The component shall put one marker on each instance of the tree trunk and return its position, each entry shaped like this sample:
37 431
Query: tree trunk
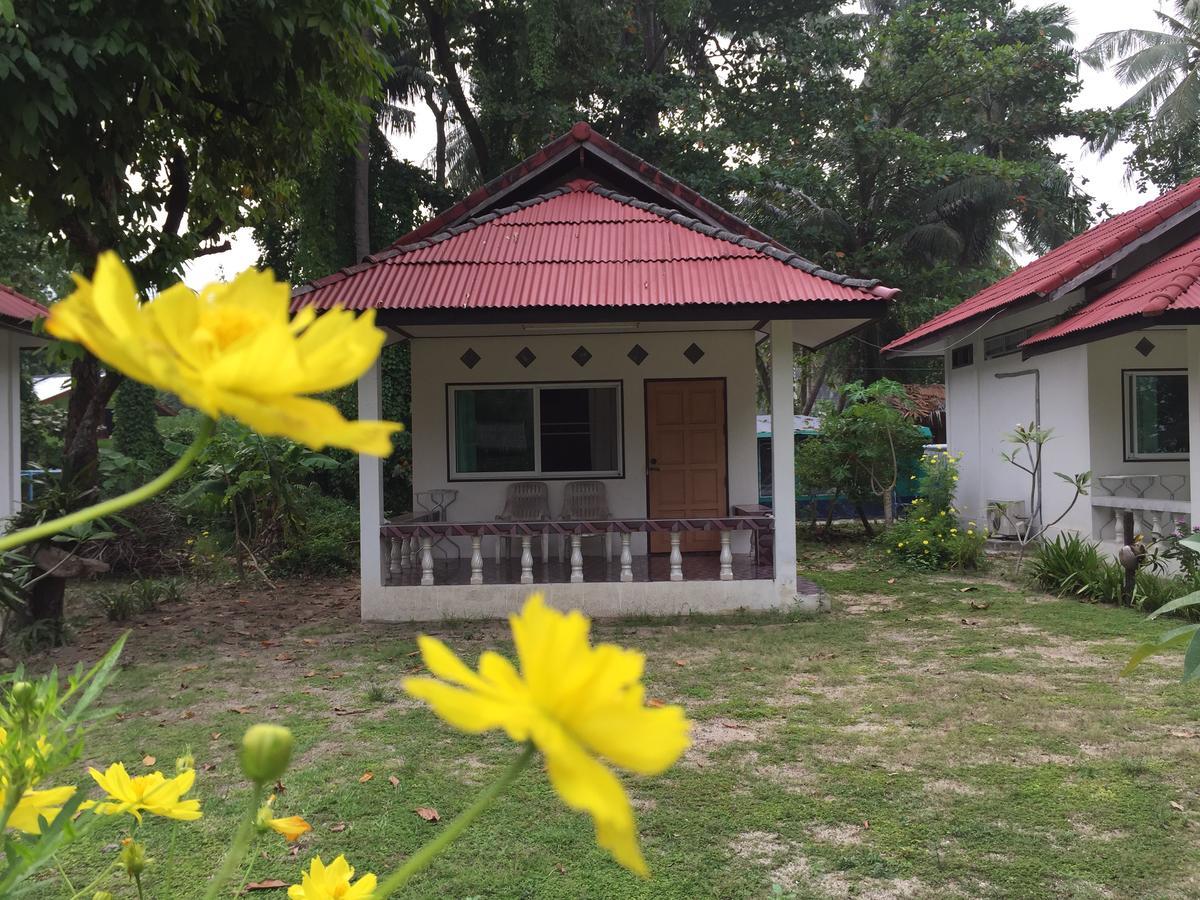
439 122
862 517
444 57
90 393
362 194
47 605
888 510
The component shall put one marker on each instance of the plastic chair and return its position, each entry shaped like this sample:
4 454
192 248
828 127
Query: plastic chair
586 501
525 501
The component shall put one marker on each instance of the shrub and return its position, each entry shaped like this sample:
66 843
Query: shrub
1062 566
325 539
939 541
931 535
118 604
141 596
1071 565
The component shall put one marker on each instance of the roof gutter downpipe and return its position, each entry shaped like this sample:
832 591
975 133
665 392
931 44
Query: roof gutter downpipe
1035 514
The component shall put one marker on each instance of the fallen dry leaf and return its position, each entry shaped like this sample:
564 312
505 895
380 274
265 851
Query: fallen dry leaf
969 587
891 581
394 780
681 662
655 703
340 826
215 735
148 760
1177 805
365 777
981 604
269 884
428 813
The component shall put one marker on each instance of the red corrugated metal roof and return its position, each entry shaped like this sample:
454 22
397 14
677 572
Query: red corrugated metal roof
1050 272
19 307
582 245
1171 282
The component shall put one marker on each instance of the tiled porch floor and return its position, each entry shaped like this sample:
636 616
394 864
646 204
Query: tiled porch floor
696 567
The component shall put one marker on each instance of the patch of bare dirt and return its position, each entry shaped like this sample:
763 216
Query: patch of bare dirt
864 604
841 835
713 734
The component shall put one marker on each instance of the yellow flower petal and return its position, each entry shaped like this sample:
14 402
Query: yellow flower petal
35 806
575 702
332 882
290 827
231 350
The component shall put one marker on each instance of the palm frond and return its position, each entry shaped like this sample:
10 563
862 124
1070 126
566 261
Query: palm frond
1111 44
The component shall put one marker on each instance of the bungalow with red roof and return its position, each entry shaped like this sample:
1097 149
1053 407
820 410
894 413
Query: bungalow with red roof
16 317
1100 341
583 332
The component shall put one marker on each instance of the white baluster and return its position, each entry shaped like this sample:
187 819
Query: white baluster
576 558
526 560
726 557
476 559
626 558
396 557
676 558
426 560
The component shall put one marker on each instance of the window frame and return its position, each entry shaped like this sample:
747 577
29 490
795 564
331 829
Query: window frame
536 474
1129 418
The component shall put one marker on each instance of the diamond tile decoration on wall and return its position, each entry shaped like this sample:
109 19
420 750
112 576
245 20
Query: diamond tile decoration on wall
470 359
581 355
526 357
638 354
693 353
1145 346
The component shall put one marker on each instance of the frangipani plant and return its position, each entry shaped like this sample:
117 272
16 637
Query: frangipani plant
234 350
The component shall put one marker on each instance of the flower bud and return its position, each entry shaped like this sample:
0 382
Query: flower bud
23 694
262 821
184 763
266 752
133 857
102 895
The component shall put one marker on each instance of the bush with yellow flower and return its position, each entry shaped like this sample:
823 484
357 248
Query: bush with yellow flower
932 534
234 350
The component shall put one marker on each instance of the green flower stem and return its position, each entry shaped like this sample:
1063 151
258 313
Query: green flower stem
116 504
249 866
241 843
423 857
97 881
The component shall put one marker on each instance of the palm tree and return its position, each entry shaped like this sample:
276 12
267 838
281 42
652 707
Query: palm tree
1163 65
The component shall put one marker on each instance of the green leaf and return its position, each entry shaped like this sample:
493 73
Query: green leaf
1191 659
1192 599
1176 637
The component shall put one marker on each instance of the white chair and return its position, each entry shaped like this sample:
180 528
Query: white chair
525 501
586 501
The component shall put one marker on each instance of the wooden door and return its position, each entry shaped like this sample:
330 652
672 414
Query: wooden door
685 456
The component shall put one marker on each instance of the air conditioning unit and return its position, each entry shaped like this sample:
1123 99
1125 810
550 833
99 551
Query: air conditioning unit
1007 518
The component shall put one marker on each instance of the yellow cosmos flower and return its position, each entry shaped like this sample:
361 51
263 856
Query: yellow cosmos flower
37 805
332 882
290 827
153 793
231 350
575 702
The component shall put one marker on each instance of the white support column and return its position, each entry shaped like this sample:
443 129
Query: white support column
396 564
726 557
370 492
476 560
526 559
1193 361
626 558
783 459
676 558
426 561
576 559
10 425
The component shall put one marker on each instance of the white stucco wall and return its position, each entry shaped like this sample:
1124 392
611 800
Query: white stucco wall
10 423
727 354
982 409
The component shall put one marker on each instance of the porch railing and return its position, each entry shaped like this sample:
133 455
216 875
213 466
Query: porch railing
1158 502
412 541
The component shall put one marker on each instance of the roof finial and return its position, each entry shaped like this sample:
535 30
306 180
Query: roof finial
581 131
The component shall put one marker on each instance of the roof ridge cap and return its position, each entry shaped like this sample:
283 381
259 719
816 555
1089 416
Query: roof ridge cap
784 255
1162 300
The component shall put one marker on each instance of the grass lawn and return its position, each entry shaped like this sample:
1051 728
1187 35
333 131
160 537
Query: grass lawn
936 736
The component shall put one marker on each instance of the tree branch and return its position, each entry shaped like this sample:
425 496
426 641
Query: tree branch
444 58
179 192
